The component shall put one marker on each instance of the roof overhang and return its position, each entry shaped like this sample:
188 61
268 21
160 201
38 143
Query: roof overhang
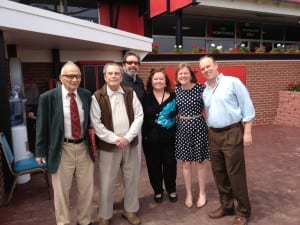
271 11
33 28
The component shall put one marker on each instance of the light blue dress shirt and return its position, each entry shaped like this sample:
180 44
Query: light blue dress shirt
228 103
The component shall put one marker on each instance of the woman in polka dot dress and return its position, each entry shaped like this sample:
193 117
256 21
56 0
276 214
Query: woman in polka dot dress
191 144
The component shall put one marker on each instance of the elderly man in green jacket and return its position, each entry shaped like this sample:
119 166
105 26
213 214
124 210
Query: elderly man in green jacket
62 141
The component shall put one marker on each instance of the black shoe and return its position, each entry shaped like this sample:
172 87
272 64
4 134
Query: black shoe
173 197
158 198
219 213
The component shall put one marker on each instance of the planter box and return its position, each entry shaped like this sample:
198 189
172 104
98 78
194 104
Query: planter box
288 111
219 56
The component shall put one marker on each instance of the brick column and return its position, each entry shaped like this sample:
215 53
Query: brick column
288 108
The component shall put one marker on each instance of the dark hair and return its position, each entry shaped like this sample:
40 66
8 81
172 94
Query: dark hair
149 87
193 74
130 53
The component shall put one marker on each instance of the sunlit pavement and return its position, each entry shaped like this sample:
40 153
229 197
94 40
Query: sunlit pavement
273 172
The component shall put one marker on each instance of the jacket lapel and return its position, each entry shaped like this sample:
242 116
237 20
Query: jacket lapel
59 112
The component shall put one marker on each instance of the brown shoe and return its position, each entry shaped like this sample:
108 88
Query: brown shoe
219 213
131 217
103 222
240 221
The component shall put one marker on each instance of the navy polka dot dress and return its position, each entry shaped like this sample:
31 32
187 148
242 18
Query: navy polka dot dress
191 135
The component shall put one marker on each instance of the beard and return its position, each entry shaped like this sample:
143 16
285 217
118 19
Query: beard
132 72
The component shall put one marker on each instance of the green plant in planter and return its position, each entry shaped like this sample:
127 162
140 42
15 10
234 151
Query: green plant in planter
195 48
178 49
244 49
279 48
215 49
261 49
294 86
155 48
292 49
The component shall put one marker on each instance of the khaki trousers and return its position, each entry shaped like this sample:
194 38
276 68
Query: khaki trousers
75 162
228 166
109 164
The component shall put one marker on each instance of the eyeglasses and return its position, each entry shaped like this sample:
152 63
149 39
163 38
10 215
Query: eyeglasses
72 76
132 62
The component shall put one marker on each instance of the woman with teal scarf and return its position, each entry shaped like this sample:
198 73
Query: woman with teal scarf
158 134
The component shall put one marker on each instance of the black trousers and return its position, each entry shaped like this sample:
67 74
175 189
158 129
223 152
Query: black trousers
31 123
161 165
228 166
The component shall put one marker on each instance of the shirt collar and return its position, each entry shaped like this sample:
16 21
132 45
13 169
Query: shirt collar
218 79
111 92
65 92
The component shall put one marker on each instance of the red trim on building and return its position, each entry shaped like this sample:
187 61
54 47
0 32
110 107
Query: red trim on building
179 4
128 19
157 7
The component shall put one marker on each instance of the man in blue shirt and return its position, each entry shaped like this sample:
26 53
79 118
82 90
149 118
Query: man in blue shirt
230 113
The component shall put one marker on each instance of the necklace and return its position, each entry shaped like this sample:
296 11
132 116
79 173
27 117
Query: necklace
159 98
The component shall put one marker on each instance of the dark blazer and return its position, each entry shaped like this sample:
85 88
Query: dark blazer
50 126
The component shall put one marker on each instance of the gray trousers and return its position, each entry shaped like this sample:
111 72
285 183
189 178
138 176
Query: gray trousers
127 160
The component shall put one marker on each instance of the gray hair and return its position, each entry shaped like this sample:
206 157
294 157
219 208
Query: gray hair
67 64
112 64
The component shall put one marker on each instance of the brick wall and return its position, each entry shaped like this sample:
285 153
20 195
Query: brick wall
39 73
264 79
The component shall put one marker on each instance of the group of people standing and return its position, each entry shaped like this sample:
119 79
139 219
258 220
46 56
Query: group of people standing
194 123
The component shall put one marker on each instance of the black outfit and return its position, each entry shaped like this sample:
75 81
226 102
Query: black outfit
32 97
137 85
31 126
159 145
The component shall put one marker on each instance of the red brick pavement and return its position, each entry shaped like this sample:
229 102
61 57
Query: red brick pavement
273 167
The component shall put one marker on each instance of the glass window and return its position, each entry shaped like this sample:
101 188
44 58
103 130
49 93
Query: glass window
164 25
188 42
268 46
83 13
226 44
292 33
87 10
248 31
166 43
220 29
193 27
272 32
239 43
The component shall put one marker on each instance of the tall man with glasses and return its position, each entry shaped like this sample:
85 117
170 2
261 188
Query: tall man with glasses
131 66
62 141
